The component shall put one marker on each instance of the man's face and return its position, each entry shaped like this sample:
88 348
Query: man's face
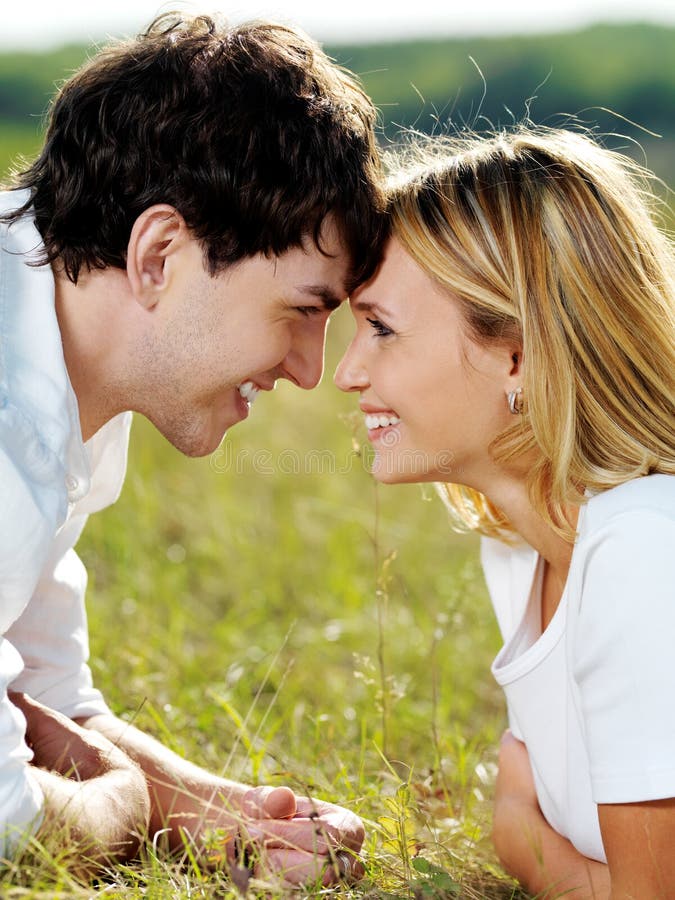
215 340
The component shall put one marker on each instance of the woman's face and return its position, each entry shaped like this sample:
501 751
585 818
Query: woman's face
433 398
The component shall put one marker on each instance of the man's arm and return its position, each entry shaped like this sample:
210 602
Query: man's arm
95 798
185 800
543 861
297 837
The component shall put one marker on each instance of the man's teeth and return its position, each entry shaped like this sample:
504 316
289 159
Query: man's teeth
248 391
381 421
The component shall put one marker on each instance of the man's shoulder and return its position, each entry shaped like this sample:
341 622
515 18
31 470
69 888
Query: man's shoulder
34 384
10 202
12 199
35 422
20 240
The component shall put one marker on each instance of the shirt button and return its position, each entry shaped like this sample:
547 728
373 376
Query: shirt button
72 483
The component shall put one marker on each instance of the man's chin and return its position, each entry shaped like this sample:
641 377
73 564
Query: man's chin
195 444
198 435
205 448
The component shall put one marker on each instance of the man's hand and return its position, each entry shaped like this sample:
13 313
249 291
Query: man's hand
266 831
302 839
59 745
96 798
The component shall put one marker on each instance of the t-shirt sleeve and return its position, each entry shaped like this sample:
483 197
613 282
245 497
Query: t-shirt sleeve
624 657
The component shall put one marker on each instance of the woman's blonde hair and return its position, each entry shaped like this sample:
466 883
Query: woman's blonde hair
548 238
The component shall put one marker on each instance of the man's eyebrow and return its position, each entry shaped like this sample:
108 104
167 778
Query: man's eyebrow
329 299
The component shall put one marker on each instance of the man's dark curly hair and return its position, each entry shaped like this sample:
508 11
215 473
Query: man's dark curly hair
251 132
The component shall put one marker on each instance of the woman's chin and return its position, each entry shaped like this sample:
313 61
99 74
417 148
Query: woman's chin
393 471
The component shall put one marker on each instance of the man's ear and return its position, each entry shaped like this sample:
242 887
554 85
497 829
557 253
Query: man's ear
158 232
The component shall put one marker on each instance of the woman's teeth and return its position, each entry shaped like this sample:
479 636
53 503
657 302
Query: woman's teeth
381 421
248 391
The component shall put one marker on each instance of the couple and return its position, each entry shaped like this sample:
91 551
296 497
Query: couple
204 199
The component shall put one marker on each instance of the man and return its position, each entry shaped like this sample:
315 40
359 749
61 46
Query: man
204 198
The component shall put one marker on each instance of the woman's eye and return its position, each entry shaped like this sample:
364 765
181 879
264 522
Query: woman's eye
379 328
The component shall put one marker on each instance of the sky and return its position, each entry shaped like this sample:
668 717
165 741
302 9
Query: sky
48 23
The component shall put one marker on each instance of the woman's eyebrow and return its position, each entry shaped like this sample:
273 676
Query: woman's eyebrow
367 306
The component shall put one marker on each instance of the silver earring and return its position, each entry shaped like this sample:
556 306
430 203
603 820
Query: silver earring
515 399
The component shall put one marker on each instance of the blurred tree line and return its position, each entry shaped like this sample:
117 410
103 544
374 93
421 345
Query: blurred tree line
616 79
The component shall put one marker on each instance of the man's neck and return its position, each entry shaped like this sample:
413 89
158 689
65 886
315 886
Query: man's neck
86 316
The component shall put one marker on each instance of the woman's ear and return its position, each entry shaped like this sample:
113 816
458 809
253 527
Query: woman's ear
514 381
516 363
158 232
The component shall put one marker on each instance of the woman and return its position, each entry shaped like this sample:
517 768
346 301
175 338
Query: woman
518 344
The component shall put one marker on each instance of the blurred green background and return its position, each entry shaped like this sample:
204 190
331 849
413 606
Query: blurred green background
618 79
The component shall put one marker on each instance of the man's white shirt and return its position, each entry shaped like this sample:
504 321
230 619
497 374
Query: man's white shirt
49 483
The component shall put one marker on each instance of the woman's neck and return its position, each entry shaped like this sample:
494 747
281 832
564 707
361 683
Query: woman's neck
511 495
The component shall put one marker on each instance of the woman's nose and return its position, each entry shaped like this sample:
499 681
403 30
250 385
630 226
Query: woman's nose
350 374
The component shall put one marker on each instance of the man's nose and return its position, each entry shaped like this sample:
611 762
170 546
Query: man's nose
304 363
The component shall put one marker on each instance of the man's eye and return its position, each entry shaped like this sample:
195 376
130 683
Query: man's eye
308 310
379 328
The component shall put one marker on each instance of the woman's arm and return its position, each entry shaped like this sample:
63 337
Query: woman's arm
543 861
623 667
639 841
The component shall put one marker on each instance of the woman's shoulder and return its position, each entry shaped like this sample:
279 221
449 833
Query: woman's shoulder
627 537
651 497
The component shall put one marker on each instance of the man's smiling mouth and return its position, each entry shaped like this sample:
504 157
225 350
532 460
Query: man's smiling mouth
249 391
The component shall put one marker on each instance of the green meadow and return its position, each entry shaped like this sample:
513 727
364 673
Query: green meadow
272 613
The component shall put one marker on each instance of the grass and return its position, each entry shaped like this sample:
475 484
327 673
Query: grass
273 613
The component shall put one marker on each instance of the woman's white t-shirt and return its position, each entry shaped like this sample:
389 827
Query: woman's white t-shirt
593 696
